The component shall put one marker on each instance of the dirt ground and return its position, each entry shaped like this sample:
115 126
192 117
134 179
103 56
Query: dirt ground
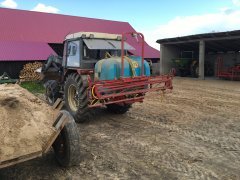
25 122
193 133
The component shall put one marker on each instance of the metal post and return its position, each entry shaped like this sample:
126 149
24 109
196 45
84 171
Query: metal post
122 56
201 59
142 70
161 59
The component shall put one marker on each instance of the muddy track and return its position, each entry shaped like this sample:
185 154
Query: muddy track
193 133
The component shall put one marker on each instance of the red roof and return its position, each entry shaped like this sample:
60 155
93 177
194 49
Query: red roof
22 51
29 26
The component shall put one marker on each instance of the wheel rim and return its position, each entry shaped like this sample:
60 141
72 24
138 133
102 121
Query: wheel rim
60 146
73 97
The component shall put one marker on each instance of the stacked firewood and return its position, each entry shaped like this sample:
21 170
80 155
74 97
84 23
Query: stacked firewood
28 73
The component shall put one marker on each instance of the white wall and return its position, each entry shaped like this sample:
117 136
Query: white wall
156 68
167 53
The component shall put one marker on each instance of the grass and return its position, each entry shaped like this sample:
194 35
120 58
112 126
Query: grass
33 87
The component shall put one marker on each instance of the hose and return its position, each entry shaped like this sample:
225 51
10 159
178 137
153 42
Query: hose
107 55
93 92
95 100
133 65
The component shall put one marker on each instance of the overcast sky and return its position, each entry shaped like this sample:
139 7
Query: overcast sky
155 18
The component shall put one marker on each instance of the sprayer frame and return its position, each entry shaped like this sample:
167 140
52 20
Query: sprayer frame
127 90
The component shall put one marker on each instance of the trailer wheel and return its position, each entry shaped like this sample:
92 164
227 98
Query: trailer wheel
76 98
118 108
67 145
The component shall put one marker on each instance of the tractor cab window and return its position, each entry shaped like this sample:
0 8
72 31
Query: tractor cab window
73 54
96 49
89 54
98 54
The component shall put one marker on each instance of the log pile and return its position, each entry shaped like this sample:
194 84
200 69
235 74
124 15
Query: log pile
28 72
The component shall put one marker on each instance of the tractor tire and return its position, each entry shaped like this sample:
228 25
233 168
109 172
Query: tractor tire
67 145
76 98
118 109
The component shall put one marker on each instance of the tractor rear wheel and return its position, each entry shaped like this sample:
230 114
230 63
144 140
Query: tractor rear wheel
118 108
67 145
76 98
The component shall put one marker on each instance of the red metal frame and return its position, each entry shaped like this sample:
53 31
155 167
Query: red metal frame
229 73
127 90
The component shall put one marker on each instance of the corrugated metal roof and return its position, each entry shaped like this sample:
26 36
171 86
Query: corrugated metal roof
206 36
28 26
21 51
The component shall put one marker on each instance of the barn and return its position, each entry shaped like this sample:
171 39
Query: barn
28 36
216 54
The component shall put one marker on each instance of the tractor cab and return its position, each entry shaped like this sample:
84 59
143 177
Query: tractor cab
84 49
102 54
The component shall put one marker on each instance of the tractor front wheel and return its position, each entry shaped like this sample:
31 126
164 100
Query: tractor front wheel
52 89
118 108
75 96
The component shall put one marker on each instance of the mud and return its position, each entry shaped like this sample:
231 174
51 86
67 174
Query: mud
25 122
192 133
